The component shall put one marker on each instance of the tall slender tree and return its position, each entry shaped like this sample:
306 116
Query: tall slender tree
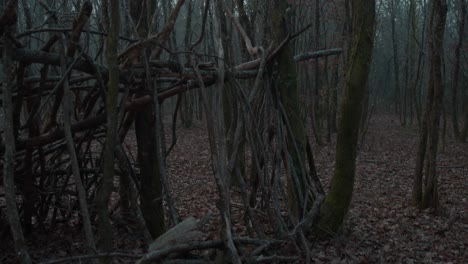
396 66
456 67
105 228
151 197
425 193
8 19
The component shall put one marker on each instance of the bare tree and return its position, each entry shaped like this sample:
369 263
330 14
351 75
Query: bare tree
8 19
425 193
456 70
103 197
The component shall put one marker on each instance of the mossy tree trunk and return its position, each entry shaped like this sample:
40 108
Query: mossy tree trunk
338 199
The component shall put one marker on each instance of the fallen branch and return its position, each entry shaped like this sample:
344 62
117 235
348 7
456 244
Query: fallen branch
317 54
199 245
95 256
275 258
36 56
184 232
158 254
63 30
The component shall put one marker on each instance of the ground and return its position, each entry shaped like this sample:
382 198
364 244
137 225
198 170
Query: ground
382 225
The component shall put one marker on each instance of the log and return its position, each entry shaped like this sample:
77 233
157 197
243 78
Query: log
184 232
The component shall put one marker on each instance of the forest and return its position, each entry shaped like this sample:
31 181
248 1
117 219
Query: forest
233 131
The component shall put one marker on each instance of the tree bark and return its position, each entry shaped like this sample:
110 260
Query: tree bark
151 196
186 108
338 199
316 114
9 137
396 66
456 68
103 196
425 193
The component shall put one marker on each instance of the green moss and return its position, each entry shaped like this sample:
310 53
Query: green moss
337 201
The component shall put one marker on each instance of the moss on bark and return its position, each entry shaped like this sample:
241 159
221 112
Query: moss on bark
338 199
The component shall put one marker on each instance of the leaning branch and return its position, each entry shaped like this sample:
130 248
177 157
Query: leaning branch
248 43
79 23
133 51
317 54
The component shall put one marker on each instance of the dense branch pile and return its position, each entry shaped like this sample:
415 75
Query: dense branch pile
42 166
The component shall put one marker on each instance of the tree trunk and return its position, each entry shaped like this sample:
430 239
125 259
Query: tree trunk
464 131
410 62
425 179
9 137
316 113
103 197
338 199
396 66
287 81
151 196
186 108
230 110
456 68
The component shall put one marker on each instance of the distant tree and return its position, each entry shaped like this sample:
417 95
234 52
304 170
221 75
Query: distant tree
459 135
396 65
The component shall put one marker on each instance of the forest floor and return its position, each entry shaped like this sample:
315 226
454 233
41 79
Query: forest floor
381 227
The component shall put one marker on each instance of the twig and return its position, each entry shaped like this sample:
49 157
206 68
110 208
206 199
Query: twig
275 258
86 257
